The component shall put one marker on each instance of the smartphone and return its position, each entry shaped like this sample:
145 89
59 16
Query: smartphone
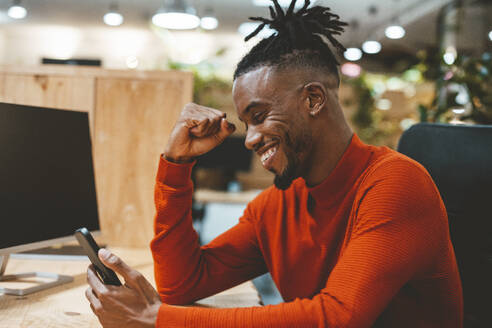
91 248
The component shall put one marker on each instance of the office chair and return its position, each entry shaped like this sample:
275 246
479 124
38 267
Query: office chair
459 159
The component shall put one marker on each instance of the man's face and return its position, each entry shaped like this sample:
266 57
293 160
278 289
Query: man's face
277 127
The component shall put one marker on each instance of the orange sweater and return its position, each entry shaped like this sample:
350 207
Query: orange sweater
368 246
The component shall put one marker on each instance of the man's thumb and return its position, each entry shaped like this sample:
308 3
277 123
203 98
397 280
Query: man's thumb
114 262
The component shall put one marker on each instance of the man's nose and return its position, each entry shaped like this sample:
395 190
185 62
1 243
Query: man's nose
253 138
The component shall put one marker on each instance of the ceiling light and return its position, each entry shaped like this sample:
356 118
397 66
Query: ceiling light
209 21
247 28
113 17
490 35
351 69
353 54
371 47
282 3
395 32
16 11
176 15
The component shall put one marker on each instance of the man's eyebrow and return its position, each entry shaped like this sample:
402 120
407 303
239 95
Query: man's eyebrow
252 105
248 108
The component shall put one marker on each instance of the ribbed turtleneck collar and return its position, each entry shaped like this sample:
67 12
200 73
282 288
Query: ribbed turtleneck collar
341 179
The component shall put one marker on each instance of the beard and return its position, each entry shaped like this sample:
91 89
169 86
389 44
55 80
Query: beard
284 180
293 152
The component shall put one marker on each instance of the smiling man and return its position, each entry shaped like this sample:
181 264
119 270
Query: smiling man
353 235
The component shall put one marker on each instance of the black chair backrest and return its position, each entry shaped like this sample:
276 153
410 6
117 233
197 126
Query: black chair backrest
459 159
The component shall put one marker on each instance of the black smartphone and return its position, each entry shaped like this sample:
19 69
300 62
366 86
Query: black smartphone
91 248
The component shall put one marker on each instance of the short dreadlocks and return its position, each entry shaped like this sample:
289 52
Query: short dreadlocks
298 40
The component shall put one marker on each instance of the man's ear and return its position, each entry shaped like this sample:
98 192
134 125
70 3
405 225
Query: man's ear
315 97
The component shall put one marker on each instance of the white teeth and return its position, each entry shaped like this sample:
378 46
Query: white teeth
266 155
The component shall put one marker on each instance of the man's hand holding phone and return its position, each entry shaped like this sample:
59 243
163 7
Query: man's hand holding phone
134 304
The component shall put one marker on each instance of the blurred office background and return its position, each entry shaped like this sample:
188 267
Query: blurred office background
407 62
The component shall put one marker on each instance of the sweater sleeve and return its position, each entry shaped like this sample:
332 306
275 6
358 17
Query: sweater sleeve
399 222
184 271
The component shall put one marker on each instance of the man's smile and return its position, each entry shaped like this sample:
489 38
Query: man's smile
267 156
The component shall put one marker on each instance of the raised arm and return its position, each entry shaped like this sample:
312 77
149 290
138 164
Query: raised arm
184 271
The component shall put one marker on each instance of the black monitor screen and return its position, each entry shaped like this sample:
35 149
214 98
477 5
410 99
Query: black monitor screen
46 175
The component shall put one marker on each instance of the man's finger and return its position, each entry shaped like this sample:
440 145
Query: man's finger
214 126
116 264
133 278
200 129
207 125
93 300
93 280
226 129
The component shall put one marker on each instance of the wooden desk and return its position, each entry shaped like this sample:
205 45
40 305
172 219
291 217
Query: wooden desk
66 305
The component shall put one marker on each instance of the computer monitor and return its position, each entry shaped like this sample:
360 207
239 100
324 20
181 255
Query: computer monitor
47 187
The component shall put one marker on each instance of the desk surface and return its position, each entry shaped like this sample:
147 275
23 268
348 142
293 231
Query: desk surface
66 305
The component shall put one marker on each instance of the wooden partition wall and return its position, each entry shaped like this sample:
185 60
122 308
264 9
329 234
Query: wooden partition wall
131 116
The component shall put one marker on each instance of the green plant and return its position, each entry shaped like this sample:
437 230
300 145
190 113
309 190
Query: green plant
466 83
371 124
207 87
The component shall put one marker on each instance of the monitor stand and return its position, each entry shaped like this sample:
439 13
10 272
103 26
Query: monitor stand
56 279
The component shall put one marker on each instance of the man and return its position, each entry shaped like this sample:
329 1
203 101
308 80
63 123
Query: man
353 235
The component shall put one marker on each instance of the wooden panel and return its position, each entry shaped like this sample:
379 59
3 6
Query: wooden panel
66 305
61 92
133 119
86 71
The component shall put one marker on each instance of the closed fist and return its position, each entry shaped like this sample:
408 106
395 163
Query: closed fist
198 130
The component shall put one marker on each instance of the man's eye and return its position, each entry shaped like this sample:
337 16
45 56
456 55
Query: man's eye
258 118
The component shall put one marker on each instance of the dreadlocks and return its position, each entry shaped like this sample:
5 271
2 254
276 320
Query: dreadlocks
298 40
